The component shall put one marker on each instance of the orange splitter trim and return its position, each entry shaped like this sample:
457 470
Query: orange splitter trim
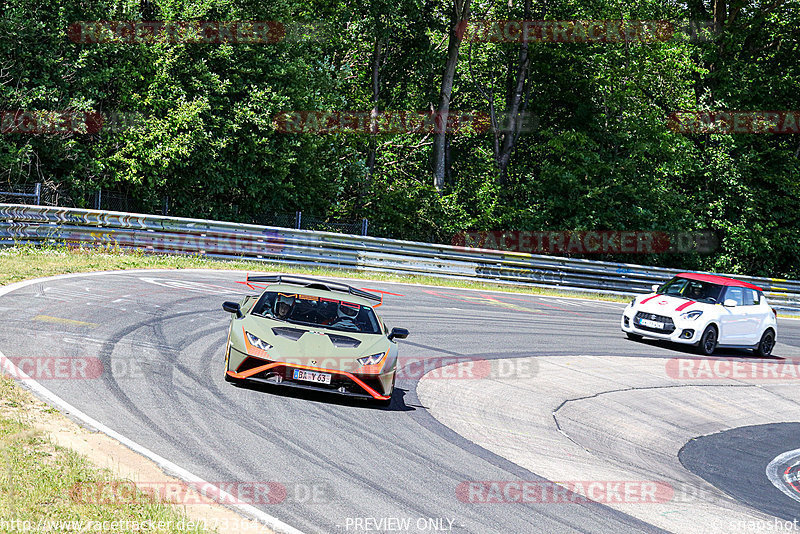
351 376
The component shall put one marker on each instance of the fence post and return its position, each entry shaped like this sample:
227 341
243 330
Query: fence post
364 226
298 217
98 198
38 193
166 205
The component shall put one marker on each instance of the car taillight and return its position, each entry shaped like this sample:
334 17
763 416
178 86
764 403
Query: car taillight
775 313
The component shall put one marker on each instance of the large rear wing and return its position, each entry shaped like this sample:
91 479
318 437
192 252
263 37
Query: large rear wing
313 283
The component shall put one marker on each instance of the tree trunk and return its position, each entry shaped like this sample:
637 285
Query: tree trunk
460 17
376 86
514 105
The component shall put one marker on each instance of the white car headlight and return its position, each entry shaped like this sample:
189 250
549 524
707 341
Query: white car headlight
691 315
372 359
256 342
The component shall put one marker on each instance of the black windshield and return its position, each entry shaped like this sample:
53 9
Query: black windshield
321 312
692 290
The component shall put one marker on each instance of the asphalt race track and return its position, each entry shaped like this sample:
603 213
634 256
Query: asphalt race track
747 452
154 346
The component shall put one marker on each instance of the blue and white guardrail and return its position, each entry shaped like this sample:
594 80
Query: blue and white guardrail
227 240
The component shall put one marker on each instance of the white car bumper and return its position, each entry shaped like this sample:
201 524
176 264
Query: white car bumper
686 330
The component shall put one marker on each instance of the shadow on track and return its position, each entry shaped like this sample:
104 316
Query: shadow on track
722 352
397 403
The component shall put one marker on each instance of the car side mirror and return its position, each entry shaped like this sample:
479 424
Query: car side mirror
398 333
655 287
729 303
233 307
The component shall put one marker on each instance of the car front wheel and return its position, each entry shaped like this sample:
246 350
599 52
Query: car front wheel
708 341
388 402
229 378
766 344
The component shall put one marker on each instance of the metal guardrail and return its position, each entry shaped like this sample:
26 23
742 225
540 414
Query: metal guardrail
226 240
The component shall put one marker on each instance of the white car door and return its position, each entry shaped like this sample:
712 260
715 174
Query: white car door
733 320
754 315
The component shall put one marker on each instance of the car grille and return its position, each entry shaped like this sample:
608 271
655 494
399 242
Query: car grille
337 381
251 363
669 326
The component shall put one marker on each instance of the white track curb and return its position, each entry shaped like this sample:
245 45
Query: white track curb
776 477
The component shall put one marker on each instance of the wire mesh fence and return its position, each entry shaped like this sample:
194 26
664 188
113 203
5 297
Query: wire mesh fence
21 193
36 194
343 227
302 221
50 194
121 201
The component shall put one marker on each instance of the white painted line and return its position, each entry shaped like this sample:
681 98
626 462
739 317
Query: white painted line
776 476
173 469
593 305
346 280
566 302
618 306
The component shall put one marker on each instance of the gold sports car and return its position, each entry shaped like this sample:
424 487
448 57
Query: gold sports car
312 334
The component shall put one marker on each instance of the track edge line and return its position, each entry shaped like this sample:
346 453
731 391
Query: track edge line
171 468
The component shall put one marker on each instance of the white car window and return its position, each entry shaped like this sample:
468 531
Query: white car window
737 294
750 297
673 287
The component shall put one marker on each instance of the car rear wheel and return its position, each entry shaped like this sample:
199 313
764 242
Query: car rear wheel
708 341
766 344
633 337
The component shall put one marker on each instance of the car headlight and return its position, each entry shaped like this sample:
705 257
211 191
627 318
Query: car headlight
256 342
691 315
372 359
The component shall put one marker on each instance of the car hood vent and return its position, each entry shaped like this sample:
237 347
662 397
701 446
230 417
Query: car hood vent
292 333
344 342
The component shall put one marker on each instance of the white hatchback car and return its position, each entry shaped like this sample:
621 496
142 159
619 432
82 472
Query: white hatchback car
705 310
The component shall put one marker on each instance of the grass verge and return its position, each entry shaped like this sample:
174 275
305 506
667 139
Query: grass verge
42 485
27 261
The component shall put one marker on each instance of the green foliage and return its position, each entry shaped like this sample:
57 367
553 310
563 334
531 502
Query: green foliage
600 158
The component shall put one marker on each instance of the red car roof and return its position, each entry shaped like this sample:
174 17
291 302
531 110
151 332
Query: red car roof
716 279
